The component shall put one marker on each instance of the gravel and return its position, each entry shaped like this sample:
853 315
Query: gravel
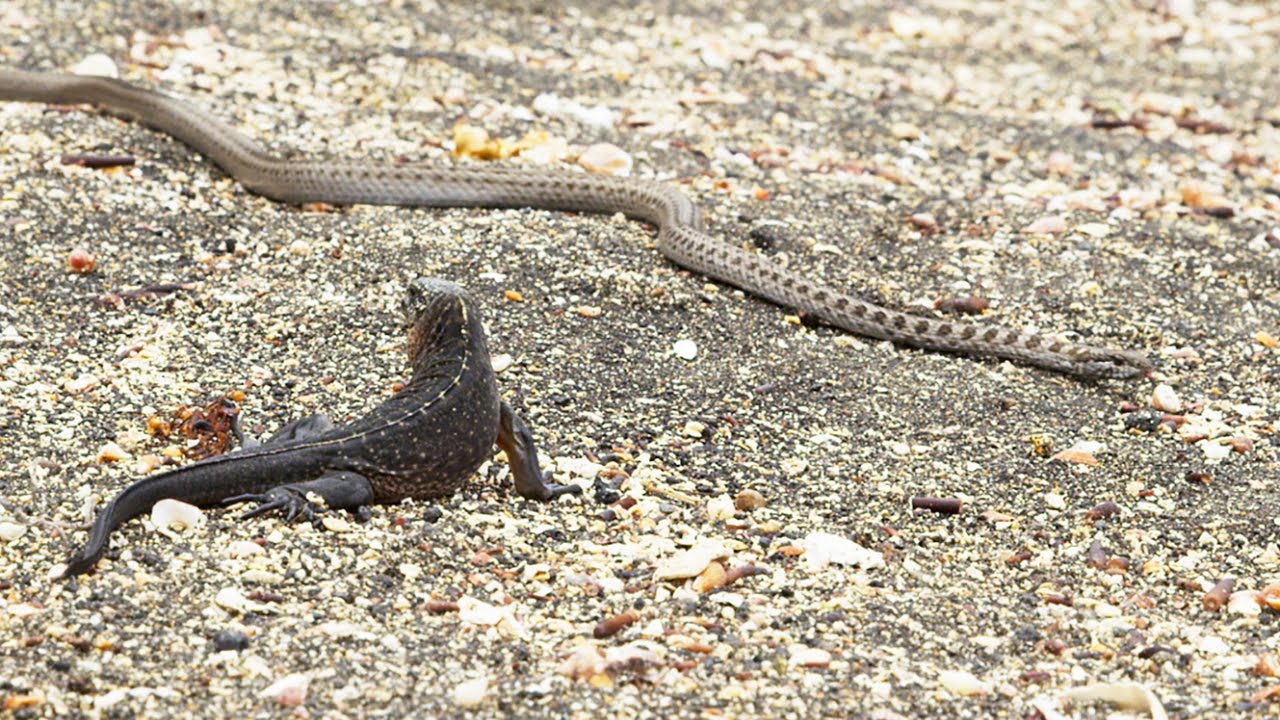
747 546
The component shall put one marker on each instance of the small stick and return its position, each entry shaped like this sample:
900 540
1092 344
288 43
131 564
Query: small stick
1217 597
945 506
98 162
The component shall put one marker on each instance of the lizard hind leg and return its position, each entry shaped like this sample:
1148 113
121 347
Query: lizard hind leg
341 490
303 428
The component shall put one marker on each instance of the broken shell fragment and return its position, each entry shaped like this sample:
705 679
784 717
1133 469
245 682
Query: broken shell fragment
176 515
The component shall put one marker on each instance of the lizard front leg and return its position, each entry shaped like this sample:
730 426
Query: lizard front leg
522 454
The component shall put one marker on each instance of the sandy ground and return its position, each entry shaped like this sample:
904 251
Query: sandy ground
1105 170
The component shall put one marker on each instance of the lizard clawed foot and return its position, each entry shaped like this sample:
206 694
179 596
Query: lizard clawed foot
547 490
341 490
291 500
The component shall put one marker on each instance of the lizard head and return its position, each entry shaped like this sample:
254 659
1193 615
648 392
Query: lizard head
440 314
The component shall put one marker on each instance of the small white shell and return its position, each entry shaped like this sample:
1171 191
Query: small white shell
501 362
97 64
720 508
606 159
1244 602
1131 696
690 562
822 549
963 683
288 691
176 515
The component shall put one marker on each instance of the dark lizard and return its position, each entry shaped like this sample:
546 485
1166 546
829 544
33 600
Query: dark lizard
423 442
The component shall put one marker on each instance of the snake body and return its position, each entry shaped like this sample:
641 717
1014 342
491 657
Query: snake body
681 237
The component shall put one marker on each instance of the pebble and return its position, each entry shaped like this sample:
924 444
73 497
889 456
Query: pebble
471 693
693 429
1165 398
685 349
1145 420
477 612
905 131
10 531
794 467
605 494
111 452
474 142
749 500
1060 163
583 663
230 640
804 656
578 466
335 524
231 599
244 549
1082 453
598 116
1215 450
24 610
80 261
1048 225
1094 229
613 625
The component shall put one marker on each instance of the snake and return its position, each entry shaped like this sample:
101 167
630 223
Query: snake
682 236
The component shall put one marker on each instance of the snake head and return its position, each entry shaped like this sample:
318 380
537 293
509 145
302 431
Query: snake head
1109 363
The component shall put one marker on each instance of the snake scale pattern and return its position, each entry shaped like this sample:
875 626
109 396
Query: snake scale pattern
680 232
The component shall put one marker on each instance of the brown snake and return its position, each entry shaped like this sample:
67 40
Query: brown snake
680 234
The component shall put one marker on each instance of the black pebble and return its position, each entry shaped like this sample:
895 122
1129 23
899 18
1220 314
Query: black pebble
230 640
605 493
1146 419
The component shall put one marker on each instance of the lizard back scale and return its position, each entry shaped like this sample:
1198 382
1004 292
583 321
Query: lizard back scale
680 232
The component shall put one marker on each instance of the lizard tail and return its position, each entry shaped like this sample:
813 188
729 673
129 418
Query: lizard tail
204 483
